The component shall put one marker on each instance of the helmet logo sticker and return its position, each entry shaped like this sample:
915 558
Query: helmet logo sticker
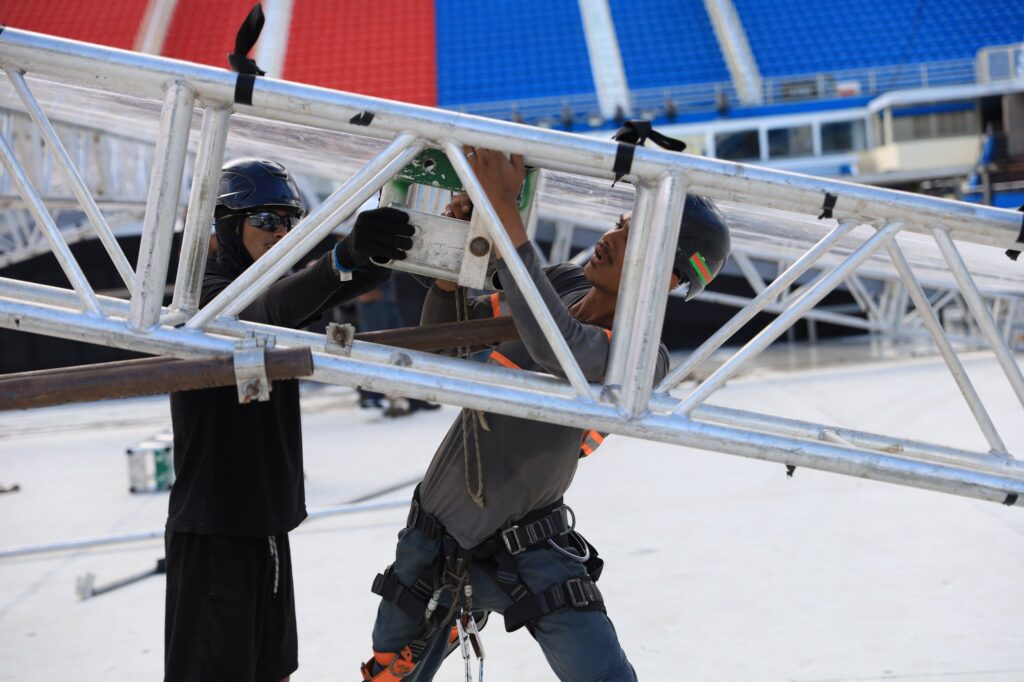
701 267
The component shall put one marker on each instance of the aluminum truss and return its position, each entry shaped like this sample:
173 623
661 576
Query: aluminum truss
881 303
625 403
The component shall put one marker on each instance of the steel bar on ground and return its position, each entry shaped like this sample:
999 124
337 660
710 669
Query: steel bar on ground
981 314
106 381
808 300
162 205
956 368
652 253
85 543
44 220
537 387
145 75
73 178
762 300
195 242
297 243
517 269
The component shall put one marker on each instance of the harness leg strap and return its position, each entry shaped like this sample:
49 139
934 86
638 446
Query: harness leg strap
581 594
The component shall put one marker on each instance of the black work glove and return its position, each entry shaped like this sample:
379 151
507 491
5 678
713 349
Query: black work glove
383 234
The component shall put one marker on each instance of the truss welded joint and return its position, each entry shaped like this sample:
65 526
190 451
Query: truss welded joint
251 369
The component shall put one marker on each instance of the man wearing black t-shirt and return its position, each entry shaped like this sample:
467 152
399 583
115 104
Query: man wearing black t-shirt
230 611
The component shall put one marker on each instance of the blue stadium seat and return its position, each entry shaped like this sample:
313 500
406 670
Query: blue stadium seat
809 36
509 50
667 43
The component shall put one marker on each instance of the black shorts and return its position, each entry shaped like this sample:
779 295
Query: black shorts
230 609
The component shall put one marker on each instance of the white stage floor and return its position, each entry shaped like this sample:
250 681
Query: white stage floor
718 568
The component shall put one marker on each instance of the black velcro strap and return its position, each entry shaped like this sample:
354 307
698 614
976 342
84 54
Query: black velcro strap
581 594
827 206
363 118
243 88
412 602
248 34
1011 499
632 134
1013 254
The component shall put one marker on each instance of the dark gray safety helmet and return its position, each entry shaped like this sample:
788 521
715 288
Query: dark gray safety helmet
247 184
703 245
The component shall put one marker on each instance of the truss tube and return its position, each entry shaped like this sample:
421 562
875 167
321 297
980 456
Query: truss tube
956 368
981 314
44 220
162 205
315 227
559 346
652 255
73 178
626 314
52 298
671 429
806 301
749 271
777 308
860 292
202 197
996 464
145 75
763 300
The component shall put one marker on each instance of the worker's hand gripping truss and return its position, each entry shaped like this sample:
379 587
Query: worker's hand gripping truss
382 234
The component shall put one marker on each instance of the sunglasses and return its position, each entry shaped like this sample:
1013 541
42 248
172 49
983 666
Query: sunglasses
271 222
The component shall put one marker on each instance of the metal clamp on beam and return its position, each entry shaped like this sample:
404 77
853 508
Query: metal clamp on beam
251 369
339 338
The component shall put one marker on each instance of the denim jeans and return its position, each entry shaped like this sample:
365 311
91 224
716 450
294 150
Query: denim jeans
579 645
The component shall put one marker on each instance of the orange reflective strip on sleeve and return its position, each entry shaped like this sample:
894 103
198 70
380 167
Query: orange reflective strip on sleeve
502 360
496 304
591 441
608 332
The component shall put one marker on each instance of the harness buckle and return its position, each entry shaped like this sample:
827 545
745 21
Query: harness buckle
577 593
510 537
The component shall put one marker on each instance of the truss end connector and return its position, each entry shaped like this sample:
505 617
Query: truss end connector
340 338
251 369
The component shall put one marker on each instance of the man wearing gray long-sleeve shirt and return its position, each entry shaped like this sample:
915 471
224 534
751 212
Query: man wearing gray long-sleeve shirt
489 512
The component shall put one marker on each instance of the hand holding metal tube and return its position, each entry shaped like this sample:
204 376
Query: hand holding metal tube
502 180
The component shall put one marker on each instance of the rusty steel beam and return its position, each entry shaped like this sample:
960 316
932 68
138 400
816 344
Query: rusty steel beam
130 378
447 335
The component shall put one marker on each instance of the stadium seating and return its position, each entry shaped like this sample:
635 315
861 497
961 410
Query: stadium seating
203 31
810 36
508 50
387 52
667 43
94 21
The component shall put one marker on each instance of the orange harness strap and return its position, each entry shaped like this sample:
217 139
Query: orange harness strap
392 666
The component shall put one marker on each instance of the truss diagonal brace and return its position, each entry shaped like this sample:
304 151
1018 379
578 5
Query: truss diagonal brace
808 300
73 178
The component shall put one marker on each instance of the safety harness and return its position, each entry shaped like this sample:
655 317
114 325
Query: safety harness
551 526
